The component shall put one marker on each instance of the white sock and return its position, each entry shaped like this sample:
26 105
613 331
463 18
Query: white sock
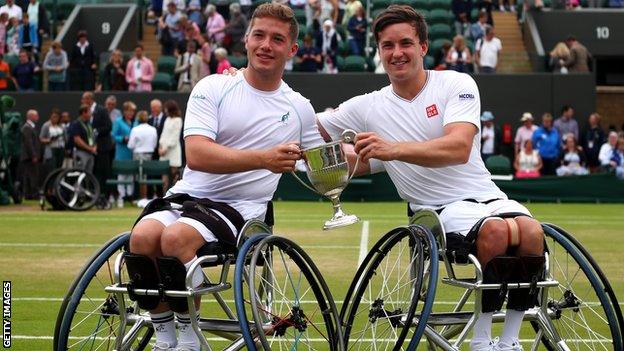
198 276
482 331
164 326
511 329
187 335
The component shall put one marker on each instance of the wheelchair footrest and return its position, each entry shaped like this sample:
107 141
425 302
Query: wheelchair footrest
143 275
173 277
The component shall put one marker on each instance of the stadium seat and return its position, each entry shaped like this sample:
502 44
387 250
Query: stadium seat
440 16
474 14
12 60
441 4
354 63
257 3
303 30
123 167
440 31
166 64
153 169
437 44
343 48
340 63
421 4
237 61
375 13
162 81
428 62
342 32
300 15
424 12
410 3
381 4
498 165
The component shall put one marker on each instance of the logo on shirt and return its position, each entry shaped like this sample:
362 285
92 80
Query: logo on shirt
284 118
466 97
199 96
432 111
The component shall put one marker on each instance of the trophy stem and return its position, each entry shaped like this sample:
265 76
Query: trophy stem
335 199
340 219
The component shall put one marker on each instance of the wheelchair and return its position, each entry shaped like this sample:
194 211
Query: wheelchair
279 299
390 302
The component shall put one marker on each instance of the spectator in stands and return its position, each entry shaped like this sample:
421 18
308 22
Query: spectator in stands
313 12
327 44
215 25
525 131
607 150
528 162
459 58
139 71
111 107
477 29
573 160
487 51
82 139
39 17
28 38
618 159
179 4
169 147
221 57
558 57
12 10
616 4
566 123
357 30
169 31
235 31
157 120
194 11
103 127
4 23
548 142
439 58
191 33
486 6
206 55
142 141
30 158
329 9
188 66
461 10
5 74
24 72
308 57
12 37
83 64
579 56
507 5
56 63
572 4
121 135
491 136
351 7
114 77
52 136
592 139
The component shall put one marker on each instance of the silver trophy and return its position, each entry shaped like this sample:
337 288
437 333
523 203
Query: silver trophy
328 171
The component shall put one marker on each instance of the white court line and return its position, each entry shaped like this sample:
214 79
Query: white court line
363 242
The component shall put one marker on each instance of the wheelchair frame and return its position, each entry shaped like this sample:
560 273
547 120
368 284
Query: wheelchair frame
135 326
458 323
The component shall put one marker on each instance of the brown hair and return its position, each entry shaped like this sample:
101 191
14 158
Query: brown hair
395 14
84 108
280 12
172 109
142 116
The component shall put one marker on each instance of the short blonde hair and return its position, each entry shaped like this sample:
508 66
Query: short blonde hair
128 105
220 52
142 116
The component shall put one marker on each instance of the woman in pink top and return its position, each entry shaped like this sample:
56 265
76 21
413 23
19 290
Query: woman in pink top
205 52
4 21
215 24
221 56
524 132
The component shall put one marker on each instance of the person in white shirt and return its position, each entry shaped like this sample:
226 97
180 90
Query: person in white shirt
487 51
12 10
490 136
142 141
607 149
424 131
241 133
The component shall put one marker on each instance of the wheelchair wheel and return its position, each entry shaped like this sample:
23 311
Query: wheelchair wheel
290 303
583 314
381 303
76 189
89 317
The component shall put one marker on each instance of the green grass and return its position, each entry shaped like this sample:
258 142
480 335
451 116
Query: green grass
41 252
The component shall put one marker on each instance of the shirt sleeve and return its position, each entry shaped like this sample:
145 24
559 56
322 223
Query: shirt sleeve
202 111
310 136
464 102
351 114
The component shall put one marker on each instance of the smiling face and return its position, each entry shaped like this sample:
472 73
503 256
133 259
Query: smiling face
269 45
401 51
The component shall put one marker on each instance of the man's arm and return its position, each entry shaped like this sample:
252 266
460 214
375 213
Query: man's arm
205 155
451 149
82 145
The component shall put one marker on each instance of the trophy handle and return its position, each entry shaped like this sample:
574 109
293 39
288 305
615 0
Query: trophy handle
304 183
357 162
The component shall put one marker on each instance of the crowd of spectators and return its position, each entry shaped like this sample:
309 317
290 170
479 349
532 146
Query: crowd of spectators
558 146
97 136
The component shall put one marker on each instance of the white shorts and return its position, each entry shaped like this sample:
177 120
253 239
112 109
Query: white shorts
460 216
168 217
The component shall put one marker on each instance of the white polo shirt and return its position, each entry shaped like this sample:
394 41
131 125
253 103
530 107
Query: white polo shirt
488 51
447 97
234 114
143 139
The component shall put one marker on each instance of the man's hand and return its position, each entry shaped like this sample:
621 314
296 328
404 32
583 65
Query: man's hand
281 158
370 145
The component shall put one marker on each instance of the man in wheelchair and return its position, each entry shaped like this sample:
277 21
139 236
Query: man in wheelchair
241 133
423 130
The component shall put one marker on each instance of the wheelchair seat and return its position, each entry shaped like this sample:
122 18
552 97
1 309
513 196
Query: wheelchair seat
223 251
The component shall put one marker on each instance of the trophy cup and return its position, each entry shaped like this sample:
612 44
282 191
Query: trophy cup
328 171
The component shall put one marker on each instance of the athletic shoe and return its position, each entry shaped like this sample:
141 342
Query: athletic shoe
483 345
163 346
503 346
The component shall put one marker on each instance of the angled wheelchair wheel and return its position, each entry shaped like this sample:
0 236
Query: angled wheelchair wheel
289 302
76 189
398 276
89 317
583 311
